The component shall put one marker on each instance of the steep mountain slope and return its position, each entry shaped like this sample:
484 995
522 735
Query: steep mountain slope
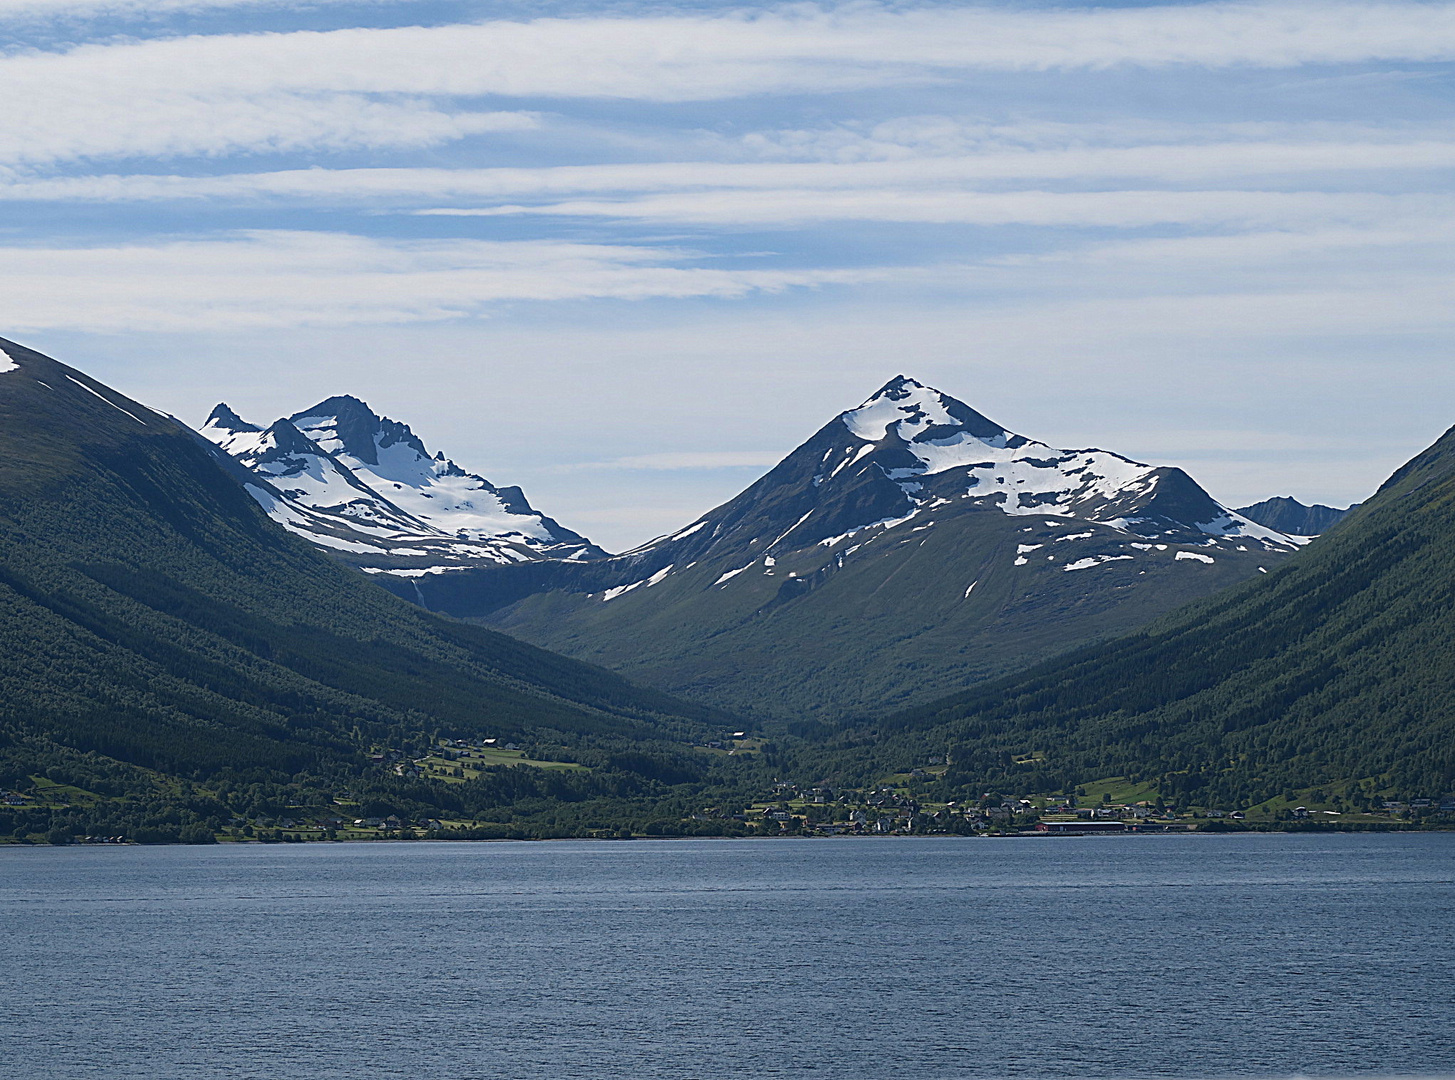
1336 667
909 547
1288 515
150 613
367 488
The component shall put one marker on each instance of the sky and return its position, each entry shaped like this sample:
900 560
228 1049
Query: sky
628 255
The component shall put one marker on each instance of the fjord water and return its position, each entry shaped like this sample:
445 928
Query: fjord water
1196 956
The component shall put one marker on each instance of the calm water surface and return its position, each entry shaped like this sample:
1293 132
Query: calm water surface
915 959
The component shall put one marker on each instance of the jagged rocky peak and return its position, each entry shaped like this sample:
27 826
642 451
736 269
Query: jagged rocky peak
223 418
346 424
244 441
342 460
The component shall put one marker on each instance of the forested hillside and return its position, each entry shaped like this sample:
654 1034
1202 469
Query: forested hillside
157 629
1334 670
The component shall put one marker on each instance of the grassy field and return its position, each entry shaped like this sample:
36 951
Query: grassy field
1115 789
472 762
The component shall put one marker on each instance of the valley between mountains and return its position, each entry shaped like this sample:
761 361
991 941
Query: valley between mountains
208 633
908 547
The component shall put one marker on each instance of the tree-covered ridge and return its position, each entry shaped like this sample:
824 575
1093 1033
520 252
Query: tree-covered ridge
1335 668
153 617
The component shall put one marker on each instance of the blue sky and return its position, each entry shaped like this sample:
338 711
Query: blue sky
626 255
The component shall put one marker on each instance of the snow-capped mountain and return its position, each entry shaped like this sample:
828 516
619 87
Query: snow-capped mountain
911 454
365 486
908 546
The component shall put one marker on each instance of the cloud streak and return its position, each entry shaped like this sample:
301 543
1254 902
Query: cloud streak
366 85
275 279
1095 209
34 9
1288 160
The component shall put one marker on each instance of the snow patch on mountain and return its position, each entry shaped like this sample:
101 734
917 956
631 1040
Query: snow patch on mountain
618 590
936 435
1095 560
7 362
103 397
431 489
355 482
725 578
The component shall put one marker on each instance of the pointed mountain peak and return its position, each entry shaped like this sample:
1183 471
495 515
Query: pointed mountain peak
288 438
345 424
1288 515
343 407
224 418
918 413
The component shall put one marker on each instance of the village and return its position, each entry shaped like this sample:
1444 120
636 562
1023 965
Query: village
897 806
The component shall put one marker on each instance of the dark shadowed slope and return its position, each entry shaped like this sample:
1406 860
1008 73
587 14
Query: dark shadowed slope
1288 515
151 612
1338 666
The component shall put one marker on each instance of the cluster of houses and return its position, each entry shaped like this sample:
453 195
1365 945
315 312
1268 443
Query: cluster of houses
1445 805
332 822
890 811
726 743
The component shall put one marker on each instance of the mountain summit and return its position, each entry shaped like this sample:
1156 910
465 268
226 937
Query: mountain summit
1287 514
367 488
910 450
911 545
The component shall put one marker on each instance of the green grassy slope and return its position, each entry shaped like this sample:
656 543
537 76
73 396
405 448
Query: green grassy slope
151 614
1336 667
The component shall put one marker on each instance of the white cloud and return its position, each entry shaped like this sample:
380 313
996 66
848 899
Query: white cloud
280 279
1287 158
32 9
1085 209
61 126
55 105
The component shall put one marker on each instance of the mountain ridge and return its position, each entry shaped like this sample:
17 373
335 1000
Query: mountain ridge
910 542
1288 515
367 488
151 613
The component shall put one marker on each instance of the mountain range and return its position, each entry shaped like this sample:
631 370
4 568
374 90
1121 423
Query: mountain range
908 547
177 659
359 484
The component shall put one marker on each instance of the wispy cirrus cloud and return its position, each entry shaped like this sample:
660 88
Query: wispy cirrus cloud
258 280
178 124
1126 209
1220 160
34 9
359 86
